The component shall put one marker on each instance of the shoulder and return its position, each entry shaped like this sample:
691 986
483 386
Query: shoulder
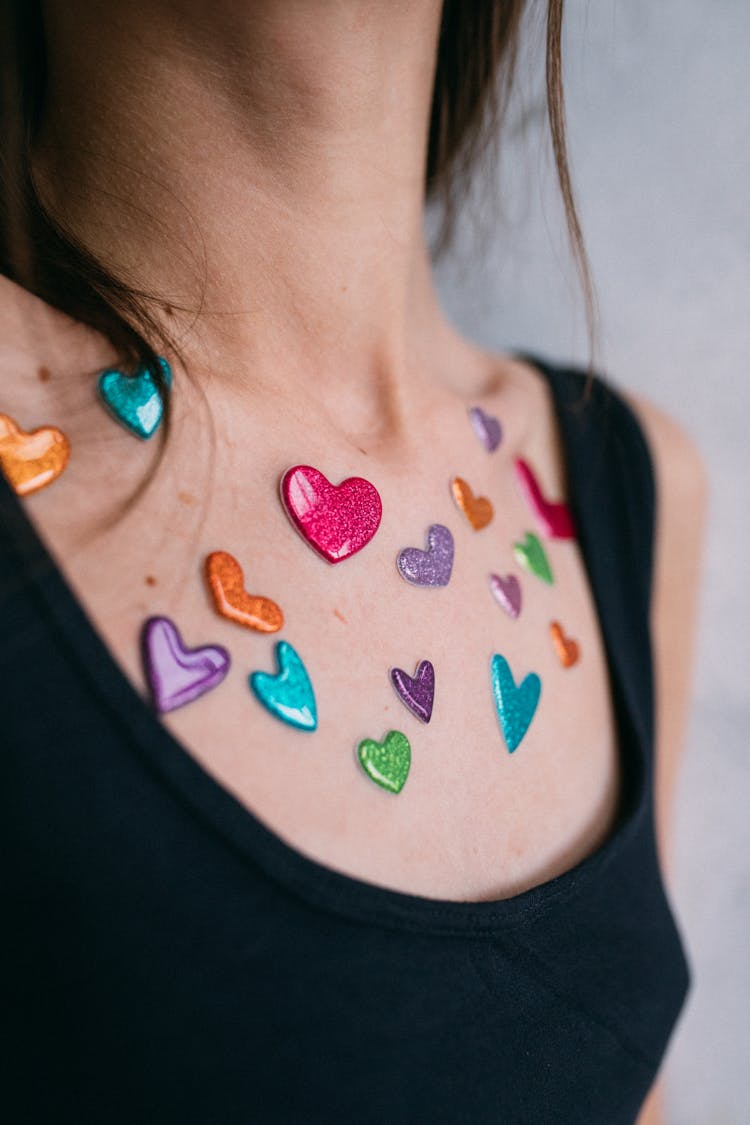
682 491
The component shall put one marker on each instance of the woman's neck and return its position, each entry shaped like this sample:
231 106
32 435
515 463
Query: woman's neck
260 167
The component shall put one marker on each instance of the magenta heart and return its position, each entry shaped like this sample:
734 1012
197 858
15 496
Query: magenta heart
336 520
176 674
431 567
507 591
417 691
487 428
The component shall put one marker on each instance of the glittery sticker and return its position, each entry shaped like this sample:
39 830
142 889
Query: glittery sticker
177 675
289 695
32 460
431 567
506 590
477 509
386 763
417 692
134 400
531 555
515 704
487 428
568 650
336 520
226 584
554 518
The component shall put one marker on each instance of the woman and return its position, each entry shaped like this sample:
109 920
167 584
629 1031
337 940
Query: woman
328 742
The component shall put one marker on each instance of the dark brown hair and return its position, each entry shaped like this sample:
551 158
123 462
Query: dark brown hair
476 60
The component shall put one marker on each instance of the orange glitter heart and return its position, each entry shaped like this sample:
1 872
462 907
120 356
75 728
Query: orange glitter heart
567 649
33 460
477 509
227 585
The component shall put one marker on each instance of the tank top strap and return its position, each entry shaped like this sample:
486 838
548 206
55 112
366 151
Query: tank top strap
612 495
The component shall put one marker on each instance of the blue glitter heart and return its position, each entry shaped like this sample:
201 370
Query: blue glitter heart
134 400
289 695
516 705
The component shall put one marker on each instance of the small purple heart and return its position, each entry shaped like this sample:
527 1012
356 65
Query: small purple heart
176 674
417 691
507 591
431 567
487 428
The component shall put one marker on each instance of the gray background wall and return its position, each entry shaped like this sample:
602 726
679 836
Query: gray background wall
659 134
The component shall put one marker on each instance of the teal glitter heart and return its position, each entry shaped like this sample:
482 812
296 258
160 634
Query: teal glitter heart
515 704
289 695
134 400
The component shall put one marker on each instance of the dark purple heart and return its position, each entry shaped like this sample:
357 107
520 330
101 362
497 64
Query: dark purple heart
417 691
176 674
507 592
431 567
487 428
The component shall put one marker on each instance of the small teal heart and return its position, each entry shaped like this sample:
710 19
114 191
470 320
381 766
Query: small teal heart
515 704
289 695
134 400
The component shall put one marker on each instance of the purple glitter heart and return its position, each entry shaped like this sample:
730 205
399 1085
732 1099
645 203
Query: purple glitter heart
431 567
417 691
176 674
487 428
507 592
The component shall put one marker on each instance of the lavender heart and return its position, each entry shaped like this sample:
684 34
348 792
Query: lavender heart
417 691
487 428
507 591
431 567
176 674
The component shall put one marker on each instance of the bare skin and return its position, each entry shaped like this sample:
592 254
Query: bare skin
284 146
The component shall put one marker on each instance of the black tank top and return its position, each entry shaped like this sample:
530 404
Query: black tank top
167 958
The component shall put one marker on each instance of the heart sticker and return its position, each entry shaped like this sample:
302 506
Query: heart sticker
431 567
289 695
32 460
531 554
177 675
336 520
568 650
487 428
417 691
386 763
515 704
134 400
477 509
226 583
507 593
554 519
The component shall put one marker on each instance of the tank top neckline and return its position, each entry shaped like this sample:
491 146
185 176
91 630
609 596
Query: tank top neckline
244 832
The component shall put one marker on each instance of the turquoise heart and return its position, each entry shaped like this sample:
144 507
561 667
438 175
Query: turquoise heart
289 695
134 400
516 704
532 555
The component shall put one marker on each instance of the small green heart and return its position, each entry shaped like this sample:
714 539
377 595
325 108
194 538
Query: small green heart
531 554
387 762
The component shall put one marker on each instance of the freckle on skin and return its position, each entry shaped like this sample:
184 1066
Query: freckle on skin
44 374
186 498
150 580
339 615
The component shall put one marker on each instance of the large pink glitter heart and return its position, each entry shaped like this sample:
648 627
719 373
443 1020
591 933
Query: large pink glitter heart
336 520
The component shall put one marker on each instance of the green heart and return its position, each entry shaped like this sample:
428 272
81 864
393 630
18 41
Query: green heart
531 554
387 762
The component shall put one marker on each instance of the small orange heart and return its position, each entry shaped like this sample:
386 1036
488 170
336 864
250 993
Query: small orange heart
567 649
477 509
31 460
227 585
